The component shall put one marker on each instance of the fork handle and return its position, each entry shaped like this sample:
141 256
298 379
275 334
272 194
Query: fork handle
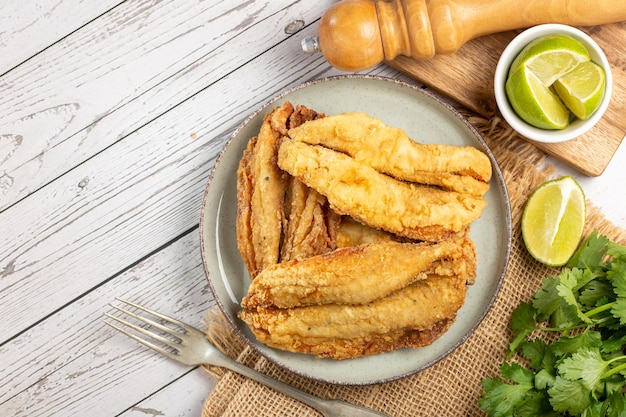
329 408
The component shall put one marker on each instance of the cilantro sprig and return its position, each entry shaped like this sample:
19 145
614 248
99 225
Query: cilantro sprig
567 356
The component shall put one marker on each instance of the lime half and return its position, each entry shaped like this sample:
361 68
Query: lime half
550 57
553 221
582 89
535 103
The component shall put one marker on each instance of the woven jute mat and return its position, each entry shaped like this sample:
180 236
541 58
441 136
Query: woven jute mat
452 386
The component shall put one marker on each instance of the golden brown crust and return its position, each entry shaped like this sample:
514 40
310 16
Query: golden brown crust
336 237
356 275
355 189
389 150
244 196
417 307
370 344
260 194
261 187
352 233
310 228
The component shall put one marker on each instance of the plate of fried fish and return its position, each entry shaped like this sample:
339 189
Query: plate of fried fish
355 229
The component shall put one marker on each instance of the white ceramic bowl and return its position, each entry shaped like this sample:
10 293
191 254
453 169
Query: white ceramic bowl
577 127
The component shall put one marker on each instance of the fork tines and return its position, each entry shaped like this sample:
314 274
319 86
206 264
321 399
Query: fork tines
173 345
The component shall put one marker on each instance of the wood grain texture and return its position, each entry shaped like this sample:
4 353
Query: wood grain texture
21 35
111 120
467 77
110 211
183 397
154 57
96 364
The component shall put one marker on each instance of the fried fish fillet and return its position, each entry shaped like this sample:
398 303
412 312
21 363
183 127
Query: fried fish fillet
300 199
358 190
346 331
355 275
261 188
310 226
244 210
391 151
260 194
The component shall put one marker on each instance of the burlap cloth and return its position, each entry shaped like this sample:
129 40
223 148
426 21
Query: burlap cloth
452 386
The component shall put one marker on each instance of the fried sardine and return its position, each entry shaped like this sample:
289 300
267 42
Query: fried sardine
357 275
270 202
260 194
358 190
391 151
355 237
413 316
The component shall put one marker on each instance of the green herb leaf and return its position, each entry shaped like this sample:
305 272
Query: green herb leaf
596 293
616 405
568 396
567 345
617 276
523 322
534 351
499 398
517 373
615 250
566 288
547 300
590 253
535 404
544 379
586 365
614 342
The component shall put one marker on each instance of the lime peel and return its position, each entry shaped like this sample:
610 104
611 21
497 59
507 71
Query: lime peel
582 89
534 102
553 221
564 81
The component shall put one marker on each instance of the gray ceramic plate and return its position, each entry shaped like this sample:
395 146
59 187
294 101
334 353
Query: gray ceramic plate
425 118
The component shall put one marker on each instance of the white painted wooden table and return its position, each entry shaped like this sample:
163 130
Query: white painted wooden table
112 114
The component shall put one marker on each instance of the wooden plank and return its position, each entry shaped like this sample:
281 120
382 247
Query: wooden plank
467 77
183 397
99 371
104 214
24 21
62 107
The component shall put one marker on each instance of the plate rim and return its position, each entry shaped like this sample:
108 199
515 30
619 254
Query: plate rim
505 202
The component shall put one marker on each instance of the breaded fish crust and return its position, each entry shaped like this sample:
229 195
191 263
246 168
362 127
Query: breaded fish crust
342 331
310 226
261 193
355 275
356 237
391 151
358 190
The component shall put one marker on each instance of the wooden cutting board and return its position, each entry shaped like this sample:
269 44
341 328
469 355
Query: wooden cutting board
467 77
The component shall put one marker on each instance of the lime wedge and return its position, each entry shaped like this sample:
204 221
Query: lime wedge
582 89
534 102
553 221
550 57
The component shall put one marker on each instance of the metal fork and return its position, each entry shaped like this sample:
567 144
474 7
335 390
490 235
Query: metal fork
191 347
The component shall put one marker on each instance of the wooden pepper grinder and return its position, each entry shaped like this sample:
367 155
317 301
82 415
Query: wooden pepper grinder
358 34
